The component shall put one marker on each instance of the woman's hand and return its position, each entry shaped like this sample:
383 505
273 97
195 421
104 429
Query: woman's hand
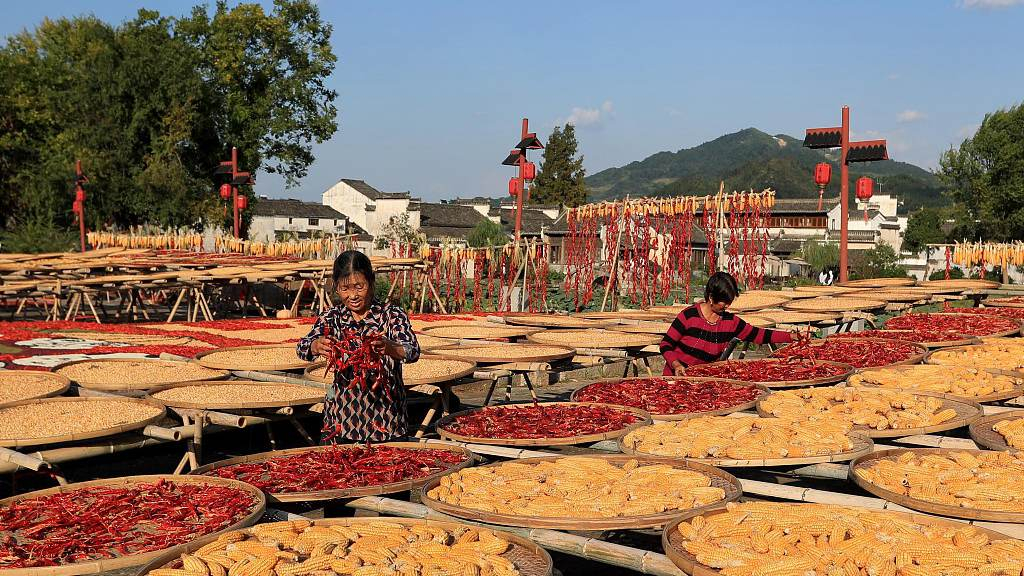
678 368
383 346
322 346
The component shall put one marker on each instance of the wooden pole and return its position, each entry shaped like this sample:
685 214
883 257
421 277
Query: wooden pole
613 268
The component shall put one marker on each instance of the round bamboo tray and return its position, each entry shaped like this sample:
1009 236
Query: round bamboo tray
891 295
940 357
643 419
132 560
594 339
747 302
672 541
834 304
158 413
528 558
310 396
964 341
757 320
861 445
491 332
423 371
428 342
966 412
719 478
642 328
921 355
21 385
848 371
1015 302
824 290
554 321
923 505
259 358
1001 334
983 434
354 492
878 283
623 314
764 392
134 374
787 317
961 285
504 353
1014 392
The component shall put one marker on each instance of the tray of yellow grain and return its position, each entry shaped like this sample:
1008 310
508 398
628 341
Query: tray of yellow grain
594 339
360 546
969 484
130 374
960 285
877 283
554 321
133 339
891 295
95 564
624 314
502 353
53 420
1004 354
491 332
874 412
979 385
19 385
824 290
747 441
659 328
739 538
271 357
427 370
788 317
1002 431
606 492
235 395
843 303
749 302
303 474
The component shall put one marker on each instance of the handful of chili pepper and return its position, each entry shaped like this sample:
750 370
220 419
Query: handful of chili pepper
767 370
975 325
857 353
906 335
354 351
336 467
663 396
536 421
107 522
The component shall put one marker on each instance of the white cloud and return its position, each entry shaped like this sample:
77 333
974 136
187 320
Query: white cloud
910 116
894 76
673 111
968 131
580 117
988 4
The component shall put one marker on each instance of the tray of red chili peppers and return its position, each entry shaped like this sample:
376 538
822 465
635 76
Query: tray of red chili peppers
857 352
118 523
930 338
775 372
344 471
673 397
1002 311
968 324
542 424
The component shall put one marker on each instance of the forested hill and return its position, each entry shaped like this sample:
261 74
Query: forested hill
752 159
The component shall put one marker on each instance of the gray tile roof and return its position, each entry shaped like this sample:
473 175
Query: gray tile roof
363 188
448 216
290 208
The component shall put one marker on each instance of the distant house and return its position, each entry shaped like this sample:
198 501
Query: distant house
282 219
368 207
447 222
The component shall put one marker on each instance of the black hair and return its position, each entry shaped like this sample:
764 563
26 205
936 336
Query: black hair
722 288
352 261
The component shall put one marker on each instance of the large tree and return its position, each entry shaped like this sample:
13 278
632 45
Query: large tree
152 105
925 226
560 179
985 175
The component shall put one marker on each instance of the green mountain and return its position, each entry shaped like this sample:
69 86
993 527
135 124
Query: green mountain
752 159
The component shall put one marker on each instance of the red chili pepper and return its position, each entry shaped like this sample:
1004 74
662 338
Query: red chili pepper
936 335
766 370
971 325
355 351
857 353
534 421
1017 313
663 396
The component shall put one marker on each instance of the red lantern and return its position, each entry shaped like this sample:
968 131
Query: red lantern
515 186
822 174
79 195
529 171
864 188
77 207
243 202
225 191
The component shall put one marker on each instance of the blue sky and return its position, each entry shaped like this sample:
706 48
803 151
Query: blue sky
431 93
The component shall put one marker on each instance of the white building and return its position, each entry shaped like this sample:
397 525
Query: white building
882 224
367 207
283 219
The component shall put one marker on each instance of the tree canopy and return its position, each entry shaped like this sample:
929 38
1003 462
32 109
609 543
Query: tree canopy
487 233
925 226
152 105
560 178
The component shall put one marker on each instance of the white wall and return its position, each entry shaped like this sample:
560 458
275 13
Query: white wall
349 202
265 228
388 208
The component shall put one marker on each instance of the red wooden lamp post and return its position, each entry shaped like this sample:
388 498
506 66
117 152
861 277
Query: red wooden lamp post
822 174
864 189
78 207
527 170
863 151
230 189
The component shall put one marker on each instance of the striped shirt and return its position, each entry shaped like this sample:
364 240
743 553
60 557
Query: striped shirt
693 340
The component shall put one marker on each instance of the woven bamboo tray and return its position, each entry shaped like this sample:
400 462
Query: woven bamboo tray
747 302
259 358
834 304
422 366
923 505
122 562
787 317
966 412
624 314
310 396
764 392
1014 302
891 295
642 328
81 435
915 359
354 492
938 357
131 374
961 285
849 370
1002 334
479 332
428 342
757 320
36 385
672 541
528 558
554 321
719 478
966 340
878 283
504 353
983 434
824 290
593 339
1014 392
441 426
861 445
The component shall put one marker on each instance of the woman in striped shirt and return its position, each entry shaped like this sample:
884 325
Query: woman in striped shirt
701 332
